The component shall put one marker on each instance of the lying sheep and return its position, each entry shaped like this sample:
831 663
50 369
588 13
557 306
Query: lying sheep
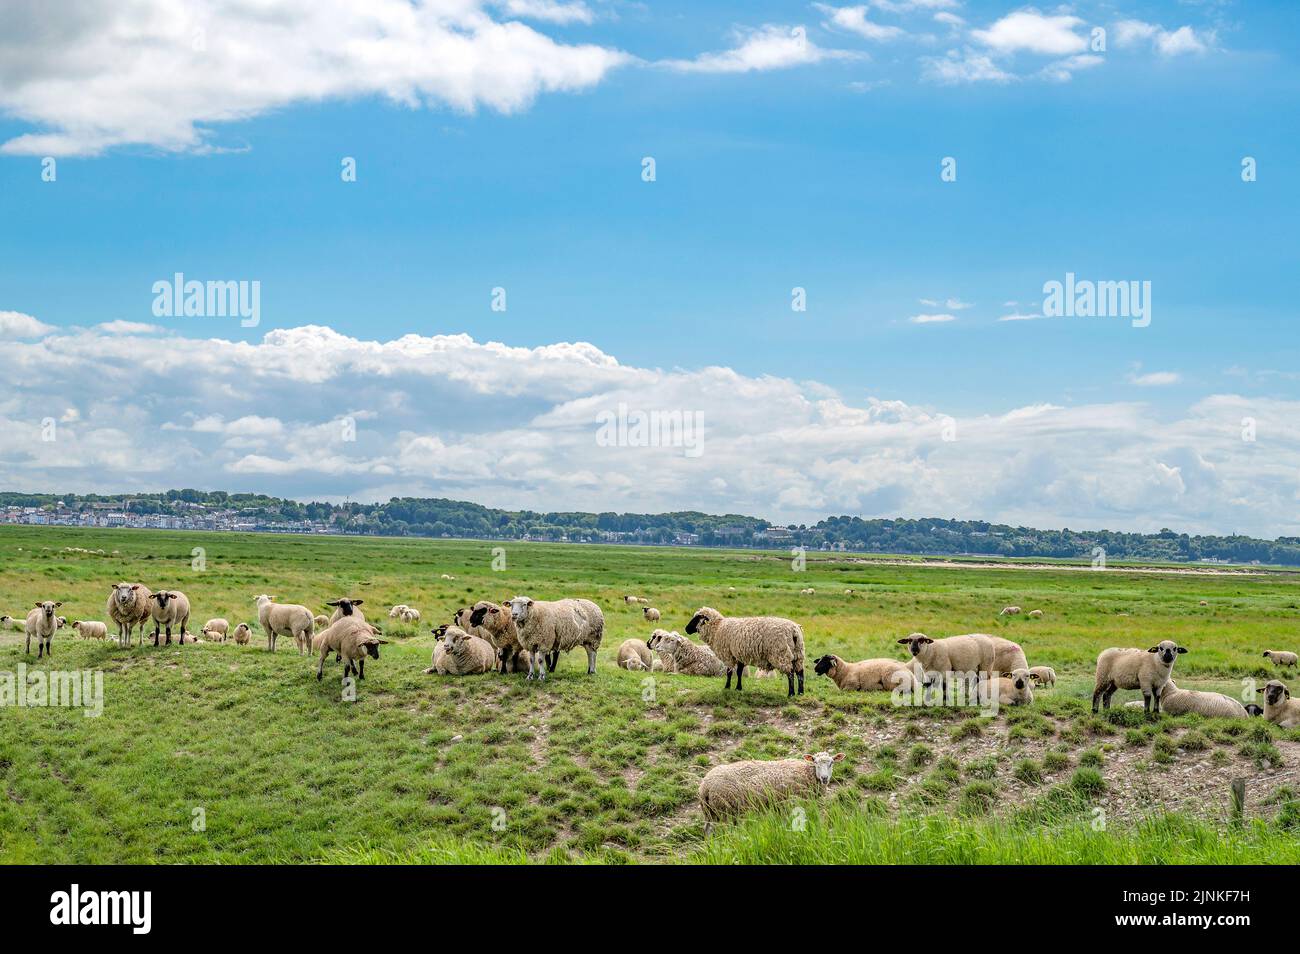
555 627
650 614
352 639
1014 688
766 642
41 622
865 675
738 787
285 619
1212 705
1254 710
438 663
1035 614
664 659
9 622
448 576
1279 707
495 624
242 635
807 591
170 608
1010 611
1135 669
635 654
1044 675
129 607
465 654
1281 657
90 629
216 630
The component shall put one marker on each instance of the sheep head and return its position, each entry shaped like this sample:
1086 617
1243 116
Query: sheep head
1166 650
701 622
824 664
124 593
823 763
346 605
519 607
916 643
1275 692
47 607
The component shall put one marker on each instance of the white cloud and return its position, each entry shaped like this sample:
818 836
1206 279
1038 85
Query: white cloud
15 324
1154 379
1019 316
1034 32
507 426
120 327
965 67
105 73
931 319
550 11
1062 71
1130 33
769 47
854 20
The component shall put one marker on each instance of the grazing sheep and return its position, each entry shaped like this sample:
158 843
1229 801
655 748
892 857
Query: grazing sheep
684 657
634 651
465 654
742 786
129 607
285 619
807 591
448 576
353 639
555 627
1013 689
1281 657
495 624
170 608
345 607
1279 707
765 642
60 622
1035 614
1212 705
1044 675
319 622
41 623
90 629
396 611
867 674
1205 603
650 614
216 630
848 592
1135 669
242 635
9 622
1010 611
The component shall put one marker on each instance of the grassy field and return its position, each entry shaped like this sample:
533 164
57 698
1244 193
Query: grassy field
218 753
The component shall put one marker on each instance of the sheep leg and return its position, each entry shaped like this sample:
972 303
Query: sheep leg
740 672
28 651
789 678
1096 698
591 661
49 646
801 682
552 660
505 659
1146 702
728 685
1155 700
360 667
169 635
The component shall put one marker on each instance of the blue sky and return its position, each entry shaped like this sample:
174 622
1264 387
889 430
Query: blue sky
815 166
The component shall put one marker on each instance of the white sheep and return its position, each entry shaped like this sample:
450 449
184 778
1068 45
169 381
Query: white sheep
242 635
1013 689
650 614
1281 657
495 624
465 654
738 787
1147 670
960 658
684 657
555 627
129 607
1043 675
1035 614
396 611
90 629
1212 705
865 675
319 622
170 608
1010 611
765 642
353 639
807 591
216 630
410 615
634 654
10 622
41 622
1279 707
285 619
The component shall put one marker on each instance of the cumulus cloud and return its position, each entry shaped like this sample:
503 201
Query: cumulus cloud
550 11
966 66
769 47
1154 379
311 413
854 20
15 324
1035 32
104 73
930 319
1131 33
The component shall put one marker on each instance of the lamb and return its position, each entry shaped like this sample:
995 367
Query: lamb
242 635
1135 669
741 786
495 624
1281 657
129 607
682 656
555 627
285 619
1010 611
466 654
8 622
60 622
90 629
1212 705
765 642
41 623
216 630
396 611
1279 707
345 607
864 675
352 639
634 654
651 614
1043 675
170 608
319 622
1035 614
1013 689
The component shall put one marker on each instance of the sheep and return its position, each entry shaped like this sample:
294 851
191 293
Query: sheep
634 654
495 624
1204 603
90 629
1279 707
438 663
396 611
352 639
1014 688
1010 611
968 653
8 622
60 622
345 607
1281 657
285 619
242 634
555 627
1035 614
767 642
863 675
684 657
41 624
807 591
216 630
319 622
1135 669
629 600
466 654
740 786
650 614
519 661
665 660
129 607
170 608
1254 709
448 576
1043 675
1212 705
410 615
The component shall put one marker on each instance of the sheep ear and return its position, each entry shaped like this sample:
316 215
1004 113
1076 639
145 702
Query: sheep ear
59 603
1154 649
357 602
1181 650
37 604
808 758
903 642
331 602
839 757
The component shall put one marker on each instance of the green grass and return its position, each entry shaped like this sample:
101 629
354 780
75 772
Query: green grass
279 768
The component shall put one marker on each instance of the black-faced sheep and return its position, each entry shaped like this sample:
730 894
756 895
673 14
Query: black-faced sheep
1148 670
765 642
353 640
1281 657
170 608
1279 707
864 675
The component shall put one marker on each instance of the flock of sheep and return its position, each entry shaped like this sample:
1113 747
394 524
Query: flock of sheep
524 635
